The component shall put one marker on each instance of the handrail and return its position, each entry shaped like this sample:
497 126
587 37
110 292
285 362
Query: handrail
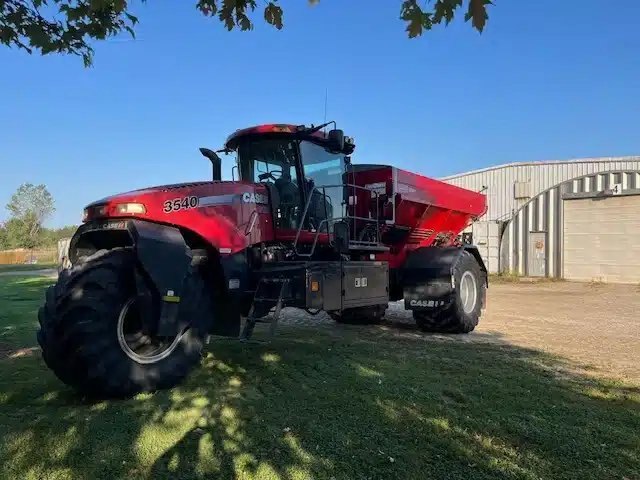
326 221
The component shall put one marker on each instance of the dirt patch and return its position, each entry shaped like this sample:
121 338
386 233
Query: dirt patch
596 327
11 352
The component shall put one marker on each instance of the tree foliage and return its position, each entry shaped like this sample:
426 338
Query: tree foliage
29 207
418 19
49 236
13 234
4 241
69 26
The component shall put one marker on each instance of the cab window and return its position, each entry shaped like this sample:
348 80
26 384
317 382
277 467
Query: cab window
273 162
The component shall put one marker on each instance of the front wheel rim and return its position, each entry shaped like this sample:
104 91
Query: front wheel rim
468 292
139 347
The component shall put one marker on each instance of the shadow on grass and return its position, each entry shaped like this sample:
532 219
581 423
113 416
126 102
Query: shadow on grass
343 403
311 405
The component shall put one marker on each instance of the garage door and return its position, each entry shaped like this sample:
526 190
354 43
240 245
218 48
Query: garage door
602 239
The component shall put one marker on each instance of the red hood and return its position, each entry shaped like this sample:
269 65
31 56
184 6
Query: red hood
134 194
220 212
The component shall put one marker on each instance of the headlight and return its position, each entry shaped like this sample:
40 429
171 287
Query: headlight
93 212
130 208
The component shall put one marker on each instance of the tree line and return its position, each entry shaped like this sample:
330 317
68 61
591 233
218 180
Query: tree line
28 208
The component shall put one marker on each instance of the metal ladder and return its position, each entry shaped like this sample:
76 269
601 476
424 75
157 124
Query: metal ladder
260 298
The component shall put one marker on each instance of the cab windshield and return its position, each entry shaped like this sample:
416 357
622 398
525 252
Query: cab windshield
275 164
323 168
267 161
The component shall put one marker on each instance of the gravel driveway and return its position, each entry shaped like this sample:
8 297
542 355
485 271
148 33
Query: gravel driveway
594 326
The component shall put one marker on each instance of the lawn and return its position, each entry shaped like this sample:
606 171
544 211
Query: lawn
330 403
26 267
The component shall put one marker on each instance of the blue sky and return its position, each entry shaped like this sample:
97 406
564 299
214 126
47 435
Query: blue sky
546 80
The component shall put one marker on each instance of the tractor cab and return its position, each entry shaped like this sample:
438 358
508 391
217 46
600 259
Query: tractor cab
302 169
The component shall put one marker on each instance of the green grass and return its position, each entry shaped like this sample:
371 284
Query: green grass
339 402
513 277
24 267
503 278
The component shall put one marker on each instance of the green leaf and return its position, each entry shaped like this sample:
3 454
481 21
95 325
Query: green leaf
417 20
208 7
477 13
132 18
243 22
87 59
273 15
445 10
226 16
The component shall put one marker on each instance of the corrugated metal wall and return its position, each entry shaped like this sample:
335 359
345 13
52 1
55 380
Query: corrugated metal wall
544 213
536 184
500 181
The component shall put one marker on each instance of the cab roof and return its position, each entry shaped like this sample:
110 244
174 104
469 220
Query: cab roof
299 131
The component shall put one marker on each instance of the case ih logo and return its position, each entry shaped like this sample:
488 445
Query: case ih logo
426 303
254 198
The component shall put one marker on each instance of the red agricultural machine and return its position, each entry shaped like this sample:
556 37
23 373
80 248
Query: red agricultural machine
155 271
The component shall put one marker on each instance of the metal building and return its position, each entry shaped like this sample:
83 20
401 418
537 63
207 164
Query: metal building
577 219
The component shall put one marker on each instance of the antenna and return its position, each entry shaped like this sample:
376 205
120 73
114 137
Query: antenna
326 96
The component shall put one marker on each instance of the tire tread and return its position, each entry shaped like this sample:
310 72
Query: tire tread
453 318
78 329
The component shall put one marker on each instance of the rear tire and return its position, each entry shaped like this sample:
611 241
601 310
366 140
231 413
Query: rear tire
90 312
360 316
463 314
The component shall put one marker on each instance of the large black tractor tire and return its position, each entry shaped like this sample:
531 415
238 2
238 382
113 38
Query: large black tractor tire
91 337
361 315
463 314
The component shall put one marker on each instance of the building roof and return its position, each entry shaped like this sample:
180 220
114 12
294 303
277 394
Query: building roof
630 158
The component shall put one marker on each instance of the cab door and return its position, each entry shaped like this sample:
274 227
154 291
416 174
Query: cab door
275 163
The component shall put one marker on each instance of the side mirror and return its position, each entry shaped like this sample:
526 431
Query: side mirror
336 138
216 163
